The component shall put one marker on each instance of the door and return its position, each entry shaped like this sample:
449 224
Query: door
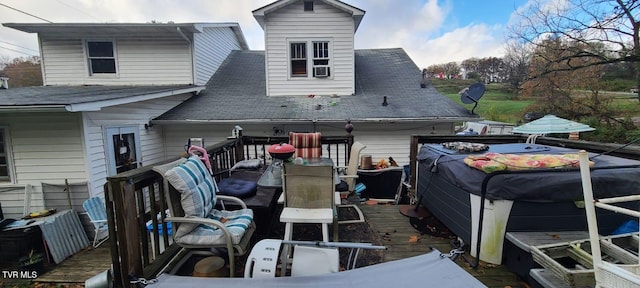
123 149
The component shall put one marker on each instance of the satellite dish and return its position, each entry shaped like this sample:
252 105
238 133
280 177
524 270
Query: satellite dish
472 94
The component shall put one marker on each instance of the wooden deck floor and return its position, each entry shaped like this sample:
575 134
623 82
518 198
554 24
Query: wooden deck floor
393 229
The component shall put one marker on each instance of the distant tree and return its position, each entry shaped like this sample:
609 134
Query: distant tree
433 70
491 68
573 94
472 65
608 31
23 72
447 70
451 69
516 63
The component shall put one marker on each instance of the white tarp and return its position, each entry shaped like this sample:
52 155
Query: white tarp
428 270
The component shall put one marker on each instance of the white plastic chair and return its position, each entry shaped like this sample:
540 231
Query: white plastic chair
97 212
309 257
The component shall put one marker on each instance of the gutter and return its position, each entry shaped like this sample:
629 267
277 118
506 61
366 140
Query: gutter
191 53
98 105
305 121
33 108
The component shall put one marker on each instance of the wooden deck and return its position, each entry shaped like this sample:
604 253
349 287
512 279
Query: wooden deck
396 233
393 229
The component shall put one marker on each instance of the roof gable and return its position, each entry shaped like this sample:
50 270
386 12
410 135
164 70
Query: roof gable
355 12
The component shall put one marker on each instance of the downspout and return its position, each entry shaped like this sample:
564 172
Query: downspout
191 53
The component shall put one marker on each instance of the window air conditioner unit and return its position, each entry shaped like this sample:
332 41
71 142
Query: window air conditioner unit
321 71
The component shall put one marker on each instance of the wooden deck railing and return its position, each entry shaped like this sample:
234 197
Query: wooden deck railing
135 197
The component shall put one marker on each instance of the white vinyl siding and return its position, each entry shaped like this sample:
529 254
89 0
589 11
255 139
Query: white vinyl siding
383 140
211 48
291 24
46 148
135 114
139 61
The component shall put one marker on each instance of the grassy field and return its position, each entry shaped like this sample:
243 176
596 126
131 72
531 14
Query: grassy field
496 104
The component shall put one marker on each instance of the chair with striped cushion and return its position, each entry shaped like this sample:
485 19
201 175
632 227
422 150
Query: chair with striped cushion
97 212
191 196
308 145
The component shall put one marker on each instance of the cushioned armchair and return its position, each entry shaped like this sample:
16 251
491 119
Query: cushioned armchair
191 195
308 145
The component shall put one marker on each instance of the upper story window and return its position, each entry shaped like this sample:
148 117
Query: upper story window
101 56
308 5
5 168
299 59
315 61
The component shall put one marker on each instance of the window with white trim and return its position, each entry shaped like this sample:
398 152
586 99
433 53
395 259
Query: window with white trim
315 61
5 160
299 59
321 59
101 57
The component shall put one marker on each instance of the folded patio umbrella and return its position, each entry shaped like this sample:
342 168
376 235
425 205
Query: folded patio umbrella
552 124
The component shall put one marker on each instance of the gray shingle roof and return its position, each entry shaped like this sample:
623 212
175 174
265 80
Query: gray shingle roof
237 92
68 95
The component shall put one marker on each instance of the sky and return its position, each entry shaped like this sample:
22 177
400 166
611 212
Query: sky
430 31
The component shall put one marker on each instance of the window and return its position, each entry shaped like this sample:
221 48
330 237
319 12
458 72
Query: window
316 59
102 58
308 5
5 170
321 59
299 59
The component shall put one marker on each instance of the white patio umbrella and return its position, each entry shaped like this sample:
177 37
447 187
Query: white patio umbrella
552 124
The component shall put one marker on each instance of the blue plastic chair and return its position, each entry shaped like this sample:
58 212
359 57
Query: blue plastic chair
97 212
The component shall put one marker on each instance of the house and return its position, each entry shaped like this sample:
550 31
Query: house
310 78
121 96
103 83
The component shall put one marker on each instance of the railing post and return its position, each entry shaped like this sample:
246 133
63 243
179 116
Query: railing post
239 148
112 201
413 155
127 234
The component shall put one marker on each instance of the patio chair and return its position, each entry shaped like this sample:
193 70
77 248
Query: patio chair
308 259
308 145
198 225
97 212
309 198
351 170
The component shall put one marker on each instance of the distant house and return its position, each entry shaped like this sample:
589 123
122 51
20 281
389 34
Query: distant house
103 83
4 81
